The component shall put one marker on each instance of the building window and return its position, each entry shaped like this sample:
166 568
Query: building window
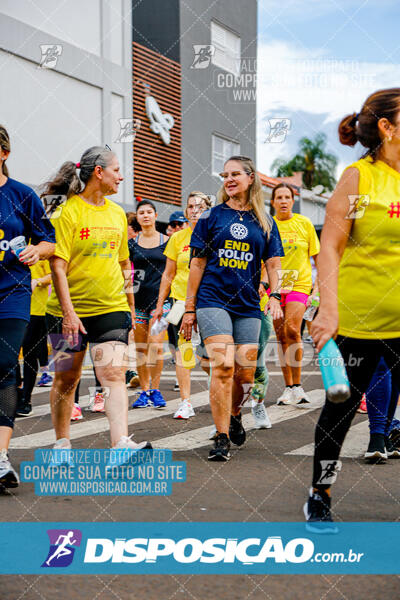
222 149
227 48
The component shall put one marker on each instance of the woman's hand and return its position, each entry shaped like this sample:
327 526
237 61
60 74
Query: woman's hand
133 317
158 313
34 283
323 328
29 255
188 321
311 298
274 307
71 326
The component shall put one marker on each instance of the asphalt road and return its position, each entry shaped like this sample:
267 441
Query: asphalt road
266 480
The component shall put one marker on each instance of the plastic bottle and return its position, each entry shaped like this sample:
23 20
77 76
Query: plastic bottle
159 326
333 373
187 353
312 309
18 244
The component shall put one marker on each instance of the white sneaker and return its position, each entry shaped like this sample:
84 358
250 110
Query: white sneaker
213 433
286 397
300 398
261 418
185 410
61 454
118 458
8 476
176 386
126 443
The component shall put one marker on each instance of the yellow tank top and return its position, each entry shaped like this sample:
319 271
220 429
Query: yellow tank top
369 272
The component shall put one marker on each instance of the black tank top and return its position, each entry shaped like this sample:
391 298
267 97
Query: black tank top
149 265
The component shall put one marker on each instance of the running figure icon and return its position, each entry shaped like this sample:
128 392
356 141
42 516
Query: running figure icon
62 549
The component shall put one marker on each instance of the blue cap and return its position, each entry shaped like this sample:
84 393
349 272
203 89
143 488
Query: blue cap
178 216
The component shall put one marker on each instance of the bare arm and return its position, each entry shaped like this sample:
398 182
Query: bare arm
165 287
273 265
334 238
128 287
197 266
32 254
71 322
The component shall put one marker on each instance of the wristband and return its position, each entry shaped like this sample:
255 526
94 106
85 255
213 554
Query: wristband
190 312
275 295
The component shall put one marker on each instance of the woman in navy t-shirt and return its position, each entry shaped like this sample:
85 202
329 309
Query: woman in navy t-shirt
228 245
21 214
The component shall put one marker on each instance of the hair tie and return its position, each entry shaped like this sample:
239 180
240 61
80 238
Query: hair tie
78 165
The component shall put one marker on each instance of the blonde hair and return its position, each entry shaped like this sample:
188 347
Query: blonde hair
204 197
255 194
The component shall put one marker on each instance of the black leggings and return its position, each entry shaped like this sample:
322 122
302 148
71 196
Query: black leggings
11 335
35 352
361 358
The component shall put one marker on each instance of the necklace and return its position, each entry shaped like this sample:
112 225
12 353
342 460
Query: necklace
241 212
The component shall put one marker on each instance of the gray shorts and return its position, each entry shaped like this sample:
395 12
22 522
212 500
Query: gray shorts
217 321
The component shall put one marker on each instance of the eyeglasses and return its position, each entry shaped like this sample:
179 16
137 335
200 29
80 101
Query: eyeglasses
234 174
175 223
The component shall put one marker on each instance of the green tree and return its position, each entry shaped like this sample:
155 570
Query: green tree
318 165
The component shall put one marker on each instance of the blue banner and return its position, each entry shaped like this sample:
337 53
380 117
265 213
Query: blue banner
193 548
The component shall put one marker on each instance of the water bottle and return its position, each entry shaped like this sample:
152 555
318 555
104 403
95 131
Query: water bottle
188 359
196 339
312 309
159 326
333 373
17 244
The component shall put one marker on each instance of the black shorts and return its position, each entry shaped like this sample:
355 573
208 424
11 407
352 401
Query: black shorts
110 327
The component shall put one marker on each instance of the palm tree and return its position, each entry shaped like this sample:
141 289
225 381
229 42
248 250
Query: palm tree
317 165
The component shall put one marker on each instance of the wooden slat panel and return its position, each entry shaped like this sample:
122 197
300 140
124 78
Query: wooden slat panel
157 167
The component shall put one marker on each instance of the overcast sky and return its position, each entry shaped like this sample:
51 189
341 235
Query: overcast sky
317 61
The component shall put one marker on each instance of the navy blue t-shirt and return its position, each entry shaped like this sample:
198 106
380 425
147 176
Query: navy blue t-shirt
21 213
235 250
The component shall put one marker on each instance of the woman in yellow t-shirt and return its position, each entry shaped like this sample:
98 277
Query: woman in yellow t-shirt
92 299
359 276
300 242
174 280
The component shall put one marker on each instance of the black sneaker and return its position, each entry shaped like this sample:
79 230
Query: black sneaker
317 511
24 409
394 437
237 434
391 450
220 452
376 452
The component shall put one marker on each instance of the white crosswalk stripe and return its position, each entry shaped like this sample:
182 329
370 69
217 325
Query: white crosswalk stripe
186 440
354 446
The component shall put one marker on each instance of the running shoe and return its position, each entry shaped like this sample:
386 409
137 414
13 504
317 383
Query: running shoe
61 454
394 437
143 401
300 398
176 386
8 475
308 340
317 511
157 399
76 413
134 380
363 405
286 397
96 404
118 458
376 452
185 410
260 415
23 409
220 452
391 450
46 380
213 433
237 433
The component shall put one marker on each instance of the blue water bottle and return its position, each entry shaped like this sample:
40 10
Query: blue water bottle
333 373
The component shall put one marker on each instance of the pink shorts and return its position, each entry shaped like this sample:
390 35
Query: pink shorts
294 297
